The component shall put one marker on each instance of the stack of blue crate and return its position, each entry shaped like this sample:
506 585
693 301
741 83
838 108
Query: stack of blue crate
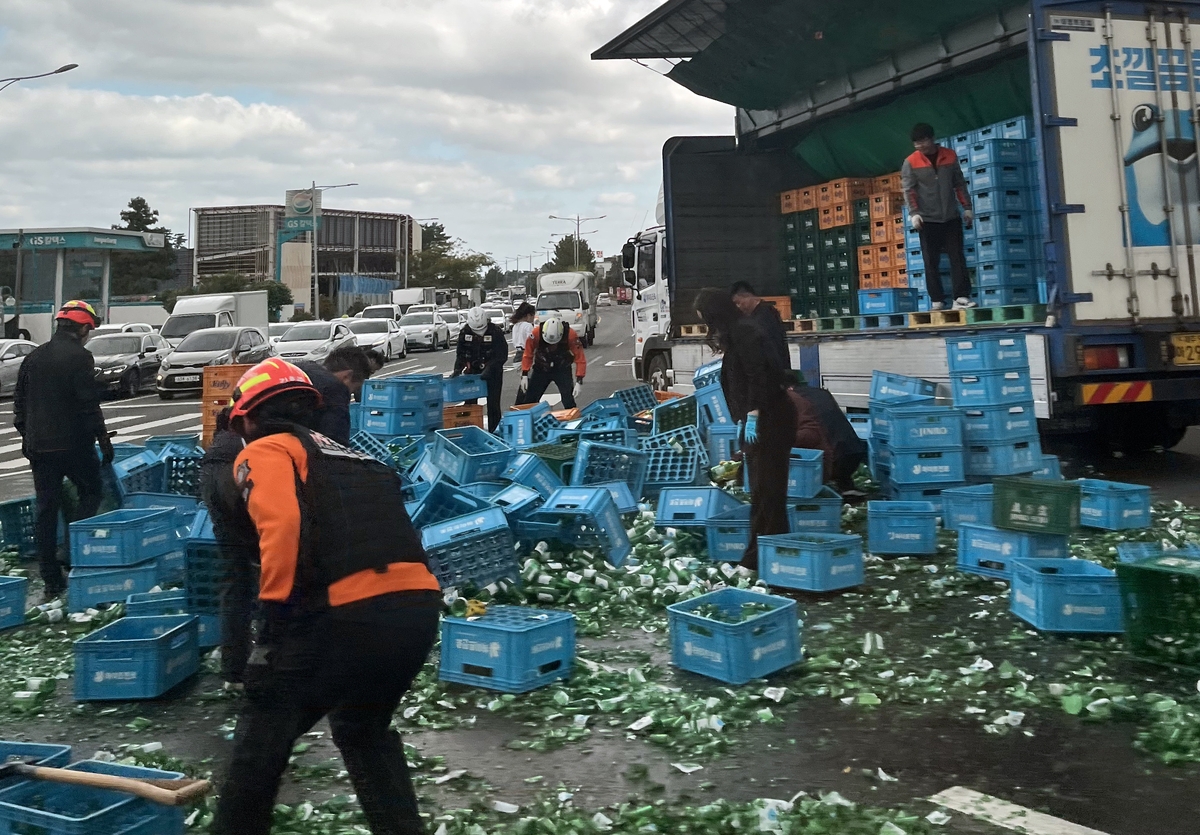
1004 249
402 405
989 375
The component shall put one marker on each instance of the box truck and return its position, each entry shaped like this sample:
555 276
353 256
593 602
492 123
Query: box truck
414 295
216 310
572 296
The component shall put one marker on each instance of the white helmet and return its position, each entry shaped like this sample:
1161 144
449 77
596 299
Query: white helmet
477 319
552 330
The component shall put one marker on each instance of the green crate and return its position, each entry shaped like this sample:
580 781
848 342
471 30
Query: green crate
558 457
675 414
862 234
839 284
808 222
1160 598
860 212
1036 506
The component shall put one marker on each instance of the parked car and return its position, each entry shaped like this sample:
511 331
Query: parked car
496 316
276 331
12 353
425 330
314 340
454 321
422 308
183 370
381 311
123 327
127 362
604 298
384 335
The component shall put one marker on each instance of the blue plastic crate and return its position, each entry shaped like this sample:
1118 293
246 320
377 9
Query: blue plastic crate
901 528
894 300
931 493
722 442
445 501
604 408
916 426
517 501
622 496
33 753
524 427
923 466
1019 249
707 374
880 414
483 489
820 514
637 398
985 424
998 152
463 387
122 537
674 459
991 388
405 391
184 508
713 409
1112 505
380 420
531 471
734 653
806 473
1001 176
18 524
158 443
1009 295
1063 595
368 444
475 549
980 353
136 658
174 602
596 463
998 458
990 551
588 518
1018 128
424 471
967 505
172 566
811 561
728 535
1050 469
512 649
1004 200
1003 224
12 602
861 423
674 414
356 416
692 507
121 451
469 454
885 386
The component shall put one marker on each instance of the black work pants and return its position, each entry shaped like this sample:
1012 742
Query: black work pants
540 380
49 469
769 459
354 672
495 389
946 237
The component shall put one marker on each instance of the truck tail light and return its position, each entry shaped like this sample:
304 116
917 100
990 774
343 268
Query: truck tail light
1101 357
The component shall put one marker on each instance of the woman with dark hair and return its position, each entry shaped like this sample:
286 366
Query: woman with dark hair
756 389
522 322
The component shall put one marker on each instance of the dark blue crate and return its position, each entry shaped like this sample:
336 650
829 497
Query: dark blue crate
722 442
512 649
886 386
989 177
1006 296
406 391
998 458
1112 505
121 451
588 518
967 506
400 421
1003 200
174 602
531 471
38 807
811 561
913 426
901 528
524 427
991 388
1049 468
476 549
990 551
692 507
518 501
820 514
977 353
1019 249
734 653
997 274
136 658
445 501
122 537
923 466
1004 224
18 524
728 535
895 300
12 602
707 374
172 566
144 478
931 493
713 408
1018 128
1063 595
424 471
637 398
189 441
623 497
998 152
596 463
985 424
470 454
463 387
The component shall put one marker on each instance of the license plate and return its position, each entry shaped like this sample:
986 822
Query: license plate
1186 348
188 378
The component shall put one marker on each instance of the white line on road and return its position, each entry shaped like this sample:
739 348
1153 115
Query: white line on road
616 363
1008 815
132 430
11 447
195 427
400 371
619 344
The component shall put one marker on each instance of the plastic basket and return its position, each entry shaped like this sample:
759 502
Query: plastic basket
734 653
820 514
454 417
991 388
722 442
885 386
901 528
728 535
1050 469
1058 595
990 552
931 493
174 602
1160 600
474 549
623 497
675 414
636 398
185 507
33 753
517 501
990 424
445 501
512 649
1036 505
684 507
122 537
1113 506
604 408
922 466
979 353
1003 458
368 444
18 524
380 420
707 374
13 591
908 425
811 561
559 457
463 387
403 391
470 454
671 468
805 473
596 463
589 519
136 658
182 474
531 471
713 409
967 505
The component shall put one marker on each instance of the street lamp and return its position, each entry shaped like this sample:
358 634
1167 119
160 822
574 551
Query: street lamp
316 277
578 221
8 82
408 240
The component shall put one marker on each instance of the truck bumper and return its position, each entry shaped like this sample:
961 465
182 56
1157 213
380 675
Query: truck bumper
1137 391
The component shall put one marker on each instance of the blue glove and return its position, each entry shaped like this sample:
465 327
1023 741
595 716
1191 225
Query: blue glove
751 429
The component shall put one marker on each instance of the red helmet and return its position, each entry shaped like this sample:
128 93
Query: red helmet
264 381
80 312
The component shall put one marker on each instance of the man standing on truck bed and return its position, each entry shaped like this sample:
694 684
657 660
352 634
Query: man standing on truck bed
934 189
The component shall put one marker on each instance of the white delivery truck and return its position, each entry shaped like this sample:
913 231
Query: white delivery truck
414 295
572 296
217 310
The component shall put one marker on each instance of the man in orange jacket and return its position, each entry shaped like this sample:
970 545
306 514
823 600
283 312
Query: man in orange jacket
549 354
351 610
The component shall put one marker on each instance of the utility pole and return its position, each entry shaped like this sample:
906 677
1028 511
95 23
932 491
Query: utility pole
578 221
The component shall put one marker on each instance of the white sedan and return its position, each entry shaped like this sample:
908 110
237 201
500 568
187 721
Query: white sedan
425 330
454 321
313 340
384 335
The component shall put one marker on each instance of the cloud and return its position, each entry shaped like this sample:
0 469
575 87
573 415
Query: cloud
488 115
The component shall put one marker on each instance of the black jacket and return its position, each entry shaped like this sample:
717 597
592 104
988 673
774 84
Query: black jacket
750 374
333 418
767 318
56 404
483 353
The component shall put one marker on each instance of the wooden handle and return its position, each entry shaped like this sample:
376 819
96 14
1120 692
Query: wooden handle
165 792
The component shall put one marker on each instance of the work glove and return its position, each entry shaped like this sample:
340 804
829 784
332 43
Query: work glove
751 429
457 372
968 218
524 386
917 222
578 387
106 451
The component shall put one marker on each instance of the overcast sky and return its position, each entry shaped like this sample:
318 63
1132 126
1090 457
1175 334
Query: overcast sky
487 114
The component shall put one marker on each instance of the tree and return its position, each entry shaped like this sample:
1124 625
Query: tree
444 262
493 278
139 217
136 273
564 256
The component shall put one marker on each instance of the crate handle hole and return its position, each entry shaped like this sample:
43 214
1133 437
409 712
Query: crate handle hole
475 670
700 630
549 667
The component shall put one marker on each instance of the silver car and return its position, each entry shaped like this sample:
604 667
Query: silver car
127 327
384 335
496 317
425 330
314 340
454 321
276 331
12 353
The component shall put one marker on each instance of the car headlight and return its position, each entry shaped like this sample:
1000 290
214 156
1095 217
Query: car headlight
224 359
115 369
321 349
164 365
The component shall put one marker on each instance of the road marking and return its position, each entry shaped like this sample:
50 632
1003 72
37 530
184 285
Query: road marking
11 447
1008 815
619 344
616 363
400 371
133 430
195 427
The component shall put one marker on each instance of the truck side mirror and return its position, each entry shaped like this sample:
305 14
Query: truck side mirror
627 253
630 277
585 305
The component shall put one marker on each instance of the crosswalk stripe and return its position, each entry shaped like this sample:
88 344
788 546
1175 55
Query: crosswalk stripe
178 429
132 430
11 447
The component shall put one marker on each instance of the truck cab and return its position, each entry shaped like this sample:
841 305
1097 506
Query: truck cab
571 296
643 258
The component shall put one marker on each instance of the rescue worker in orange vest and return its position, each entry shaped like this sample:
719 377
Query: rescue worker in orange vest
350 608
551 350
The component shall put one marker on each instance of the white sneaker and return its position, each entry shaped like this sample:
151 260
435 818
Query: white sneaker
936 305
962 303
